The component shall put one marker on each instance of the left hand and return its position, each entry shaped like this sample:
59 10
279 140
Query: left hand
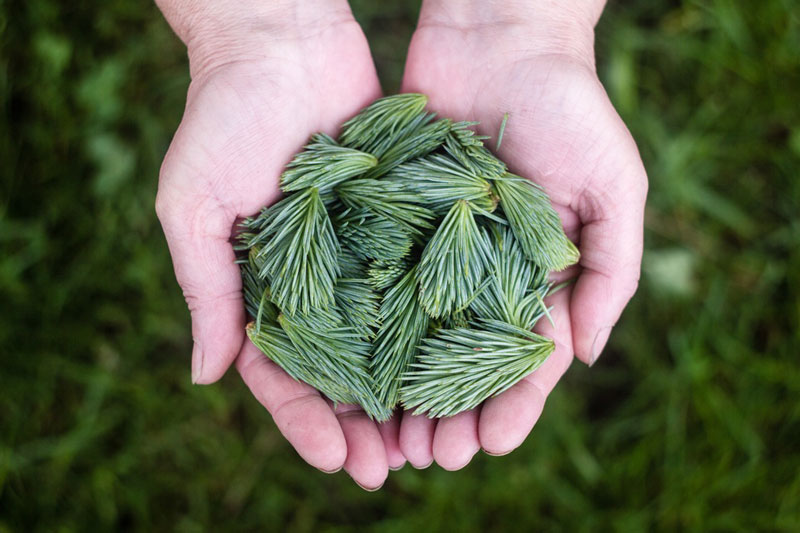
563 133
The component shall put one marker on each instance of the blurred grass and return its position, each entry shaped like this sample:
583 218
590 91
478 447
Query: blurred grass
691 420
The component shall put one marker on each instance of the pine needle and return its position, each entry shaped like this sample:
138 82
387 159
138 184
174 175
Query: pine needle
460 368
439 180
384 274
377 128
501 132
403 324
300 253
514 287
453 262
324 164
394 200
372 236
536 224
357 303
341 355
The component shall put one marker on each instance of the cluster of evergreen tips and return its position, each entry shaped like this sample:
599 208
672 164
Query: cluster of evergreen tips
404 265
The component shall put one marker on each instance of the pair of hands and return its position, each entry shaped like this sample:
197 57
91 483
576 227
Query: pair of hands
261 86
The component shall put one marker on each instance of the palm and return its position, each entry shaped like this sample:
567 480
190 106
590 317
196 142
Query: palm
243 122
564 134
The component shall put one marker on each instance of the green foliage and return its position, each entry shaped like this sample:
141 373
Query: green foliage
372 236
535 223
394 200
378 127
379 218
358 304
515 288
467 148
439 180
324 164
338 354
453 262
384 274
299 253
403 325
459 368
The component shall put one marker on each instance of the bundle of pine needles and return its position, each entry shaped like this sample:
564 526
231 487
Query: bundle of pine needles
405 264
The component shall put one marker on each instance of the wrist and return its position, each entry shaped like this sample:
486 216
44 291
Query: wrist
221 32
563 27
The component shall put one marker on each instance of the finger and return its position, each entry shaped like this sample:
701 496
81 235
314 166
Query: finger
507 419
611 255
390 433
299 412
198 233
456 440
416 439
366 456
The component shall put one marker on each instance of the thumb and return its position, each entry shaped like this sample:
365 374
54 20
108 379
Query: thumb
198 234
611 253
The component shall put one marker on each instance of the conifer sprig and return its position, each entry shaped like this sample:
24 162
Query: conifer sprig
384 274
275 344
300 254
459 368
394 200
536 224
403 324
453 262
324 164
438 180
372 236
377 128
357 302
466 147
515 287
420 138
350 265
341 355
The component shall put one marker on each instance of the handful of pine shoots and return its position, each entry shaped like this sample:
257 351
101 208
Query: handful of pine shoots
405 265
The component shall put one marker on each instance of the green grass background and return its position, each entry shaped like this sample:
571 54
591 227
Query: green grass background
691 421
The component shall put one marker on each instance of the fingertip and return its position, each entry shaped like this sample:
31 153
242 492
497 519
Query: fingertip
390 433
507 419
596 305
366 460
456 440
219 333
416 439
302 416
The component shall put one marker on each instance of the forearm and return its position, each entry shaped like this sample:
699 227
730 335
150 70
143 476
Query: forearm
552 26
220 31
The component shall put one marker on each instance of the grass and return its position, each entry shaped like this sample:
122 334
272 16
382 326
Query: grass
690 421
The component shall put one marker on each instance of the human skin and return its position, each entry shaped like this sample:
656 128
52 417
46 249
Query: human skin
265 76
477 60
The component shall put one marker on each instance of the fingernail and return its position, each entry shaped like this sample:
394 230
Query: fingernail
497 454
600 340
369 490
397 468
422 467
329 471
197 363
